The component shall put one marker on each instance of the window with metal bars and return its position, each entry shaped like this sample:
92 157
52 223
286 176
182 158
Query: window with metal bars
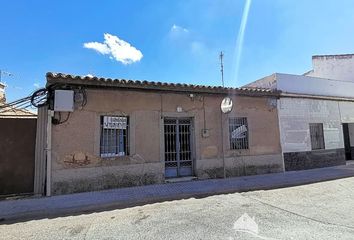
317 137
114 136
238 133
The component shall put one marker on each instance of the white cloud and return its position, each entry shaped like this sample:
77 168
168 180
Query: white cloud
117 48
99 47
176 28
179 35
36 85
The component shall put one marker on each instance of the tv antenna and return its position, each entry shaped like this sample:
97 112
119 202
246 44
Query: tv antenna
222 68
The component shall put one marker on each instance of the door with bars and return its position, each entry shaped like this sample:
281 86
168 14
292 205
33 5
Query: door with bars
178 147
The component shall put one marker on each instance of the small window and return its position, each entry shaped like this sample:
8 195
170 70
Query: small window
114 136
238 132
316 134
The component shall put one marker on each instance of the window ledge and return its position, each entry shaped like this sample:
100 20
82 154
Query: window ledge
112 155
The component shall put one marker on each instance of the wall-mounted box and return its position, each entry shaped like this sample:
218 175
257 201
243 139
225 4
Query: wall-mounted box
64 100
205 133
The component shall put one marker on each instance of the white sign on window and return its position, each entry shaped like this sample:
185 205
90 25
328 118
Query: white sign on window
114 122
239 132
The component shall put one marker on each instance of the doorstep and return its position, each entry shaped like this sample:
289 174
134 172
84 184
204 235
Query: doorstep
350 162
180 179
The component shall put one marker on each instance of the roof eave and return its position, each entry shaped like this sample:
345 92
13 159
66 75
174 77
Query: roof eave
108 83
317 97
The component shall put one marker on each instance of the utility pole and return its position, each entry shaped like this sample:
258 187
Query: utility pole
222 67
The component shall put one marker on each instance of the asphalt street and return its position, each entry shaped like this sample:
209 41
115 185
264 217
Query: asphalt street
315 211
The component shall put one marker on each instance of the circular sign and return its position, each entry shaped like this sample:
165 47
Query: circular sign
226 105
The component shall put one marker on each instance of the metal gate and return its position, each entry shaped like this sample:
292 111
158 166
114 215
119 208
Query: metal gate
17 150
178 147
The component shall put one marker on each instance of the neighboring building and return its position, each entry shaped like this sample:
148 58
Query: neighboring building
12 112
9 111
2 93
125 133
316 118
338 67
17 148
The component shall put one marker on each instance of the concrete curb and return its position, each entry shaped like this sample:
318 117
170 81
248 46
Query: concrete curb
37 208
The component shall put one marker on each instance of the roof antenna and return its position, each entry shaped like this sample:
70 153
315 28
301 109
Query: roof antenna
222 68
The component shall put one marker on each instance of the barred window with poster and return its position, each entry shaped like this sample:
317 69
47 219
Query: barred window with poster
114 136
238 132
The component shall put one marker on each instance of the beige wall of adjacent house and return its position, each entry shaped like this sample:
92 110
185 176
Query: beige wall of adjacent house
77 165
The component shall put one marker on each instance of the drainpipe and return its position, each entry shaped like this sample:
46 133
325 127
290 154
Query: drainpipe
49 153
222 144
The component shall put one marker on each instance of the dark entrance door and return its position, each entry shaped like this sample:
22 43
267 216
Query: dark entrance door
178 147
17 149
348 153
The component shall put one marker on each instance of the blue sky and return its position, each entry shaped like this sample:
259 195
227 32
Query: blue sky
179 40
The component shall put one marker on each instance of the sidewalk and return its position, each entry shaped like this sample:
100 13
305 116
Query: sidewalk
35 208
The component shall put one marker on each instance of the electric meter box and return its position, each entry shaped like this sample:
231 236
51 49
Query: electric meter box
64 101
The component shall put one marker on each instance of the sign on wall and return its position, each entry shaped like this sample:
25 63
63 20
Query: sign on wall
239 132
110 122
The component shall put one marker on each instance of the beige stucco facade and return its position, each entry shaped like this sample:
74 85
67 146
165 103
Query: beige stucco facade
77 165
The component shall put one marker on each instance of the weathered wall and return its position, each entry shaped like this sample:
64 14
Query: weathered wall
295 115
263 137
241 165
334 67
77 165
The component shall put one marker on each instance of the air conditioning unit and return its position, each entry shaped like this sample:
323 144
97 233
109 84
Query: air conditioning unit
64 101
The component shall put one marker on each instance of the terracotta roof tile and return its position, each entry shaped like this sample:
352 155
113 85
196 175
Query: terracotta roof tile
151 85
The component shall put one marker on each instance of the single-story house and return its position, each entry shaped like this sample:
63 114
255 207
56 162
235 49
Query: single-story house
105 133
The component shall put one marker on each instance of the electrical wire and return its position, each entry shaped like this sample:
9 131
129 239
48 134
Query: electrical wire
38 97
45 96
14 103
58 121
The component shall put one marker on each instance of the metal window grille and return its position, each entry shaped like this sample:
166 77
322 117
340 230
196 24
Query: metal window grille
114 141
238 133
184 132
317 137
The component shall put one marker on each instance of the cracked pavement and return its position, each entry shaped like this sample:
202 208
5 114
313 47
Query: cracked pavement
314 211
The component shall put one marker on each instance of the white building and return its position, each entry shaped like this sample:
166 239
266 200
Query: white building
316 114
333 67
